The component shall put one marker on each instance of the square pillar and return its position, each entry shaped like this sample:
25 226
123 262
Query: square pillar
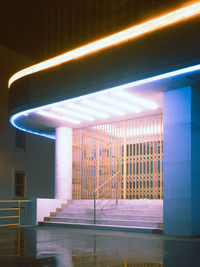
181 162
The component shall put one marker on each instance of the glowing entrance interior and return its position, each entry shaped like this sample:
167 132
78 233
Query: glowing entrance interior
131 149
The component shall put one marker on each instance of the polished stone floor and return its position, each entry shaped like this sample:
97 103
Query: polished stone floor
65 247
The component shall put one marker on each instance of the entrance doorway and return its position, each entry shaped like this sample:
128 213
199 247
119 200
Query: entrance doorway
131 148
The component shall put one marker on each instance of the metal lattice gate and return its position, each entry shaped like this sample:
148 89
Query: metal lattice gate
133 148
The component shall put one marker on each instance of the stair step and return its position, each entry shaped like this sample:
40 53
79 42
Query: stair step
104 227
149 224
119 210
145 215
107 216
135 202
113 206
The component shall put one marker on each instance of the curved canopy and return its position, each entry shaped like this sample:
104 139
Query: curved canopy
123 79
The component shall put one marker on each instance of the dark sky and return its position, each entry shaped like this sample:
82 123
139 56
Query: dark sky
21 27
20 23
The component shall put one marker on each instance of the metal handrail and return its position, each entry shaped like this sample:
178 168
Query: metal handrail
105 182
17 209
99 187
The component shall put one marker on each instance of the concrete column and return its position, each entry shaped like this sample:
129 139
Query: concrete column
63 164
181 162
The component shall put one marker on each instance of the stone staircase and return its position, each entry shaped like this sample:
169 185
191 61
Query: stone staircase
128 215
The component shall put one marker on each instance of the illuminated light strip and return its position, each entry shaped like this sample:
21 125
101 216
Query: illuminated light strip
14 118
102 107
57 117
73 113
89 111
119 104
122 36
137 100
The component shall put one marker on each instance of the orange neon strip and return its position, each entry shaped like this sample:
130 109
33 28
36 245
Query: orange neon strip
122 36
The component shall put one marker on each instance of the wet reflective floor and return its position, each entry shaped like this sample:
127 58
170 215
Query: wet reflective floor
66 247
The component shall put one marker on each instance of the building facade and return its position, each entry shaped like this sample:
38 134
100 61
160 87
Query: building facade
124 106
22 163
80 22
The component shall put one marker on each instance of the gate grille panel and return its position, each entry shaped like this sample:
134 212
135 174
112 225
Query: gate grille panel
133 148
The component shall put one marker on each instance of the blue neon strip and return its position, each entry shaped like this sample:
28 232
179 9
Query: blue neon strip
13 120
17 116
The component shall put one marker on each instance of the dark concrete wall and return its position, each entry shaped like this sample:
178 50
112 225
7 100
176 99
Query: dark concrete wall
37 159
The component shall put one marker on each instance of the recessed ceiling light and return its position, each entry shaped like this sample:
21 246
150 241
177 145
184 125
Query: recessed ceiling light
137 100
119 104
88 111
57 117
73 113
108 109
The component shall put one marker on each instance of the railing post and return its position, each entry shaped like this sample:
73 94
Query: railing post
112 193
16 208
94 207
116 191
19 212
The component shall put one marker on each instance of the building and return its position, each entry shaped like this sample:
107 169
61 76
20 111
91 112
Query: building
124 106
21 161
80 22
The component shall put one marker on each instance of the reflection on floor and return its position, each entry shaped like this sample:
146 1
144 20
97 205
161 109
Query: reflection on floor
64 247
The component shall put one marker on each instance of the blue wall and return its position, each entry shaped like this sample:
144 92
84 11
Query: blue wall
181 162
